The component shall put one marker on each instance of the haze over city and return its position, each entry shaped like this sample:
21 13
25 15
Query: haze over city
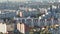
30 0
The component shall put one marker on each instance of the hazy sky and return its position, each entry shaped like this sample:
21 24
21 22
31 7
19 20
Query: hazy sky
18 0
25 0
13 0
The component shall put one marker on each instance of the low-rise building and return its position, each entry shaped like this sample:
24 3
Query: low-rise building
3 28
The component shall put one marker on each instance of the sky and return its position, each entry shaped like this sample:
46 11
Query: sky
24 0
12 0
18 0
